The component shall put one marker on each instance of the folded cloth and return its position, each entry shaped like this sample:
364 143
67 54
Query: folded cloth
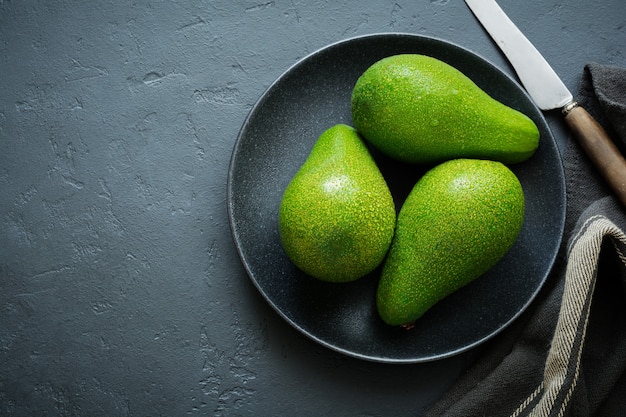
566 355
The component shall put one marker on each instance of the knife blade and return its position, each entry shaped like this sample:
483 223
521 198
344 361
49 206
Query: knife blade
548 92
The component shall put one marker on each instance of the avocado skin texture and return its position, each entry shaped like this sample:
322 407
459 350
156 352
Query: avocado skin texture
418 109
337 215
457 222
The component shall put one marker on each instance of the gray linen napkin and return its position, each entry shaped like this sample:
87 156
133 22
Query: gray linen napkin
566 355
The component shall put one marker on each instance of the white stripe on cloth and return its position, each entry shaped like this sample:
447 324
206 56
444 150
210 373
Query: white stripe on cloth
565 353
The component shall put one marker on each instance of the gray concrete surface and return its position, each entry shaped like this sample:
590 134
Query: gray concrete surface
121 293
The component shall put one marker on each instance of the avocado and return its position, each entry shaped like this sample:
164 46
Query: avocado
337 215
418 109
457 222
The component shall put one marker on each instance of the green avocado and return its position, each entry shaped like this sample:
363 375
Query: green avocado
418 109
457 222
337 215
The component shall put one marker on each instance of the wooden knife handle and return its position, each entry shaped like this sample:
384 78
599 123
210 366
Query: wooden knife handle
600 148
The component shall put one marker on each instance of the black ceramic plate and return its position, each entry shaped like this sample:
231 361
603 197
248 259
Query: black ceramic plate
275 140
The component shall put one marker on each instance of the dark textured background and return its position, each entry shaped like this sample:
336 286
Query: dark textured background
121 292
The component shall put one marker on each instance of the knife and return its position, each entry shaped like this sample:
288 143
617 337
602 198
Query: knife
549 93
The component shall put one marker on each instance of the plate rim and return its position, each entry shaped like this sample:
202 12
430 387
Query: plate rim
237 240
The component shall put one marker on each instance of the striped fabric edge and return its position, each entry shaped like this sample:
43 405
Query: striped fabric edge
552 395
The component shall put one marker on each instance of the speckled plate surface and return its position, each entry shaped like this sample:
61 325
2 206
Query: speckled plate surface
274 141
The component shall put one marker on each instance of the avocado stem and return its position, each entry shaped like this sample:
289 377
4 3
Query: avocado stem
408 326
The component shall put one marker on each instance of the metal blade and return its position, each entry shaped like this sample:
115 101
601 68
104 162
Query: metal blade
539 79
